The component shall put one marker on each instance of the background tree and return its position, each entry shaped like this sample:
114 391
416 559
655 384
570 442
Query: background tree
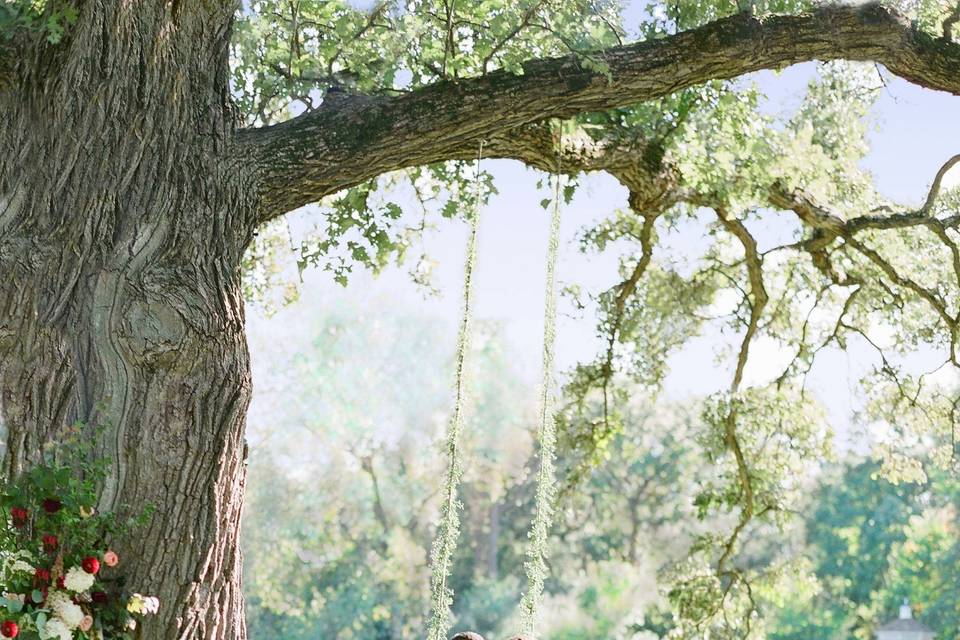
344 496
874 543
337 542
130 191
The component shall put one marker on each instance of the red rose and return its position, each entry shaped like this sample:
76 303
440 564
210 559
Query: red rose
9 629
61 583
100 597
20 516
90 565
49 543
41 577
52 505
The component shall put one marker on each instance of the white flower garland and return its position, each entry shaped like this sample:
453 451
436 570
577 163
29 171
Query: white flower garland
448 529
538 551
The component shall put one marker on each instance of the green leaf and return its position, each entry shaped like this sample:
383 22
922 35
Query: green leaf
41 622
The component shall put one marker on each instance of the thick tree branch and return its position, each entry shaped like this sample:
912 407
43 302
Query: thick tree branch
354 138
820 217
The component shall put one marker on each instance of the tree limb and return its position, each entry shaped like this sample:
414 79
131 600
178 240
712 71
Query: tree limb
354 138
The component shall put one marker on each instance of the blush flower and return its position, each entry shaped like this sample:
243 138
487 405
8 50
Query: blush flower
110 558
152 604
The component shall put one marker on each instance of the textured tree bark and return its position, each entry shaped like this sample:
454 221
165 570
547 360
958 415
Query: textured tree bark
123 218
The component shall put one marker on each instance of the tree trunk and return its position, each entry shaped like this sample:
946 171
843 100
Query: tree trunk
123 219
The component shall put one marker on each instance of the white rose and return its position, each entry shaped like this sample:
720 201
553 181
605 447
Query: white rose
78 580
63 607
71 614
56 629
152 604
56 599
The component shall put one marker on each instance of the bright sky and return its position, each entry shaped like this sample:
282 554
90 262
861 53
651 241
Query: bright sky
919 130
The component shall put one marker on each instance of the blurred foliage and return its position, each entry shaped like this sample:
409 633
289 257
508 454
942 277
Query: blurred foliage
343 491
48 19
874 543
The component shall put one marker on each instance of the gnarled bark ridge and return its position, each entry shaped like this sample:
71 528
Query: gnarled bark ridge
122 218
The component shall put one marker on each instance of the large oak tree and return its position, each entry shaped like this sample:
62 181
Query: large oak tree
130 190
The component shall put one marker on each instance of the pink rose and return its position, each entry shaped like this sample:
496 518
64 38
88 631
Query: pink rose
86 623
111 559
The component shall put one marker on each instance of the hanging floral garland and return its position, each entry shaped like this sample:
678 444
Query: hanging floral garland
539 534
448 530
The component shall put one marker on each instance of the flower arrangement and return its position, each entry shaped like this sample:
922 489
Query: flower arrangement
59 578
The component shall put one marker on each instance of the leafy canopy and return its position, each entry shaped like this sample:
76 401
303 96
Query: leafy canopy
848 268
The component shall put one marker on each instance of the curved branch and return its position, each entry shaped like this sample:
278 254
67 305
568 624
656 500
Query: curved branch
830 226
938 181
757 301
354 138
